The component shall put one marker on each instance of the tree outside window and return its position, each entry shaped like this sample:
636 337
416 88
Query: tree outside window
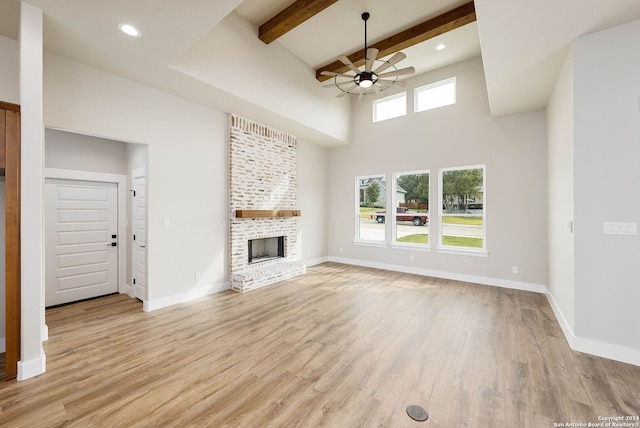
463 207
411 216
371 193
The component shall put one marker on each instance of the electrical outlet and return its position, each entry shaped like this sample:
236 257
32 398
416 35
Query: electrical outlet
341 249
198 276
514 269
620 228
167 221
412 258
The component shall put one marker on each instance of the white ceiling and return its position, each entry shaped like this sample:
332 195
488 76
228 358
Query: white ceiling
522 43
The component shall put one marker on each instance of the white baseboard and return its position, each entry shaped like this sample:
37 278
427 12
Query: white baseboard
31 368
3 344
590 346
196 293
495 282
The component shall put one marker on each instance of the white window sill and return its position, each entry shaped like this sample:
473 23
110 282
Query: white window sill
377 244
411 247
463 252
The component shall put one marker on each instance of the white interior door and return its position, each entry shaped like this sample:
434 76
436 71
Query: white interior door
80 240
140 234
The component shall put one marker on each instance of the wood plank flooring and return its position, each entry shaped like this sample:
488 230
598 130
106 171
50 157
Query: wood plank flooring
342 346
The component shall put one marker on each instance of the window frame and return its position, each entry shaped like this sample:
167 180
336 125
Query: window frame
394 228
356 236
389 98
450 249
424 88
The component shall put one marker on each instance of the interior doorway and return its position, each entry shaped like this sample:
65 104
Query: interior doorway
81 240
85 216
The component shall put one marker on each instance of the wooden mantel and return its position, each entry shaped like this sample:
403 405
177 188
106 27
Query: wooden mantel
267 213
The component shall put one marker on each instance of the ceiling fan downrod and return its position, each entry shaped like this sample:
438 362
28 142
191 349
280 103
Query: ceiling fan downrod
365 17
365 79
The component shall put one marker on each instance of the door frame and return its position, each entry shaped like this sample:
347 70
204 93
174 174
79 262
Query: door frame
121 181
138 173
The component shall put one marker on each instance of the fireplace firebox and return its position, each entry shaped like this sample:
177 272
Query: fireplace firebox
263 249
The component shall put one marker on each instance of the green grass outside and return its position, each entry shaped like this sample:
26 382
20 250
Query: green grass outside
367 210
472 221
420 238
453 241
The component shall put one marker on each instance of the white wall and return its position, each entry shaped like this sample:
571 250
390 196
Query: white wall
9 71
316 115
32 323
313 201
560 193
513 149
67 150
607 150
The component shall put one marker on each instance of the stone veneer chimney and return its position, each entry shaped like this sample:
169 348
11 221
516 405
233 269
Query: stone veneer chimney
262 176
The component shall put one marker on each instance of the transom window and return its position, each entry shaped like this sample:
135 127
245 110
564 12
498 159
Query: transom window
434 95
390 107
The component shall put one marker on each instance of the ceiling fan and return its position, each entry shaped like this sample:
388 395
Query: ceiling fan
370 80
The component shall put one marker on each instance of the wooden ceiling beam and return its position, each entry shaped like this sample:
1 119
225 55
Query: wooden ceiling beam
291 17
441 24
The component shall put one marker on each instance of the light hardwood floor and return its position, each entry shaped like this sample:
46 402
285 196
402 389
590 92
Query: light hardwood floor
342 346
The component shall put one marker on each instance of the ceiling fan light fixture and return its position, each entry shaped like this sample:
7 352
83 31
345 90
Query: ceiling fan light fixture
371 79
365 79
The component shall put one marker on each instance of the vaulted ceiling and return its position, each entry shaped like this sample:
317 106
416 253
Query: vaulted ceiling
213 52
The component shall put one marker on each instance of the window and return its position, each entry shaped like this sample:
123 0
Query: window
371 193
434 95
390 107
462 208
411 202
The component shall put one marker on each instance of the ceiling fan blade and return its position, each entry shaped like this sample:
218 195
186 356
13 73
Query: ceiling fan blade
401 72
372 53
333 73
337 84
363 92
342 94
346 61
400 83
396 58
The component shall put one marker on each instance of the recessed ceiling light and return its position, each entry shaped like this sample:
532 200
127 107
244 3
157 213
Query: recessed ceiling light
130 30
440 47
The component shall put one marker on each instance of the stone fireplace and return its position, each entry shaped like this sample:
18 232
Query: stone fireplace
264 246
